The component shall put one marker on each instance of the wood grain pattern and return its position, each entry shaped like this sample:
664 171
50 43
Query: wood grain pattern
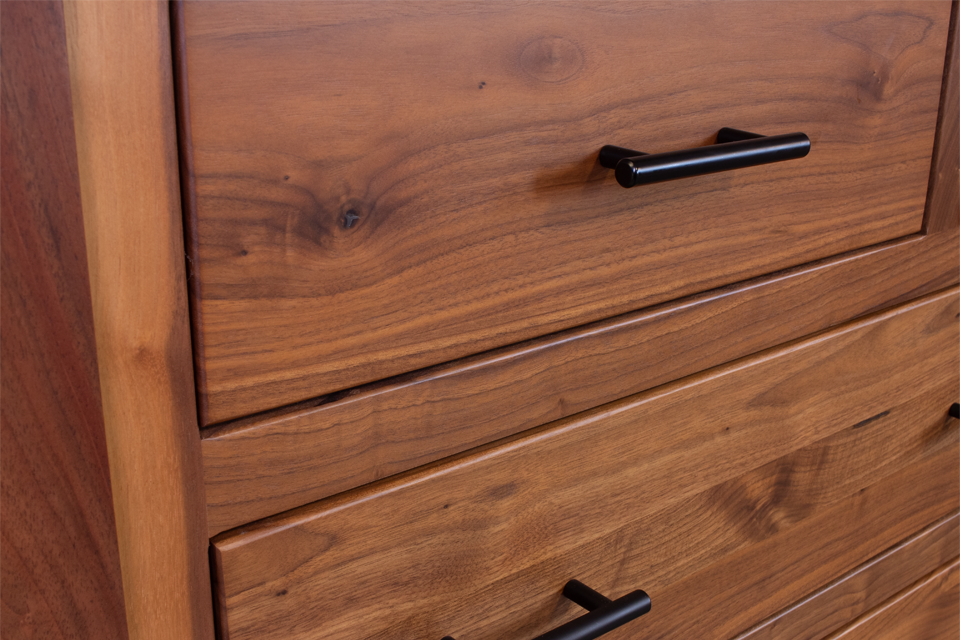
756 528
121 74
753 583
943 200
366 215
865 587
60 567
261 466
930 610
436 546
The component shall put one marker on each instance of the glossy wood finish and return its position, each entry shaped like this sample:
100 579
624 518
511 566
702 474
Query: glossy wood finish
943 210
472 546
59 564
358 216
927 611
865 587
121 74
261 466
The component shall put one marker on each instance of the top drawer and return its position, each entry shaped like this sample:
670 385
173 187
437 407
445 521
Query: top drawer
377 187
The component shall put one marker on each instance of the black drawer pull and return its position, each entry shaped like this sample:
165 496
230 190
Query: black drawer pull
734 149
954 410
604 614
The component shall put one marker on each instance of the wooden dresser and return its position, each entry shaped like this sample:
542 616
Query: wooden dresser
444 363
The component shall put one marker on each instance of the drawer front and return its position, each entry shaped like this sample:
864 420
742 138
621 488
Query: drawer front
378 187
726 496
927 610
258 467
866 587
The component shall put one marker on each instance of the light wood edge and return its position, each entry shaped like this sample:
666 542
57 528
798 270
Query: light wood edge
943 196
121 79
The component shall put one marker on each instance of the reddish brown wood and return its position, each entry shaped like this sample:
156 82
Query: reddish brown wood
60 567
798 557
188 192
774 545
267 464
435 193
445 546
929 610
943 200
865 587
124 116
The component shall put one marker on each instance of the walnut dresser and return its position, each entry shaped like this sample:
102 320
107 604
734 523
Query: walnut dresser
427 361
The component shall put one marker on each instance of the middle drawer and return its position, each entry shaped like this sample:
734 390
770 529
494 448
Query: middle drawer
780 470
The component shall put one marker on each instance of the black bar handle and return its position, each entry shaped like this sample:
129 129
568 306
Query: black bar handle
734 149
954 411
603 615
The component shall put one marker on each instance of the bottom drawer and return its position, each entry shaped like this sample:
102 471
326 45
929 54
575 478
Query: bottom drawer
857 595
725 496
927 610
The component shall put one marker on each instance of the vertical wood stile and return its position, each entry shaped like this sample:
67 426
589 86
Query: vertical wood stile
121 77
